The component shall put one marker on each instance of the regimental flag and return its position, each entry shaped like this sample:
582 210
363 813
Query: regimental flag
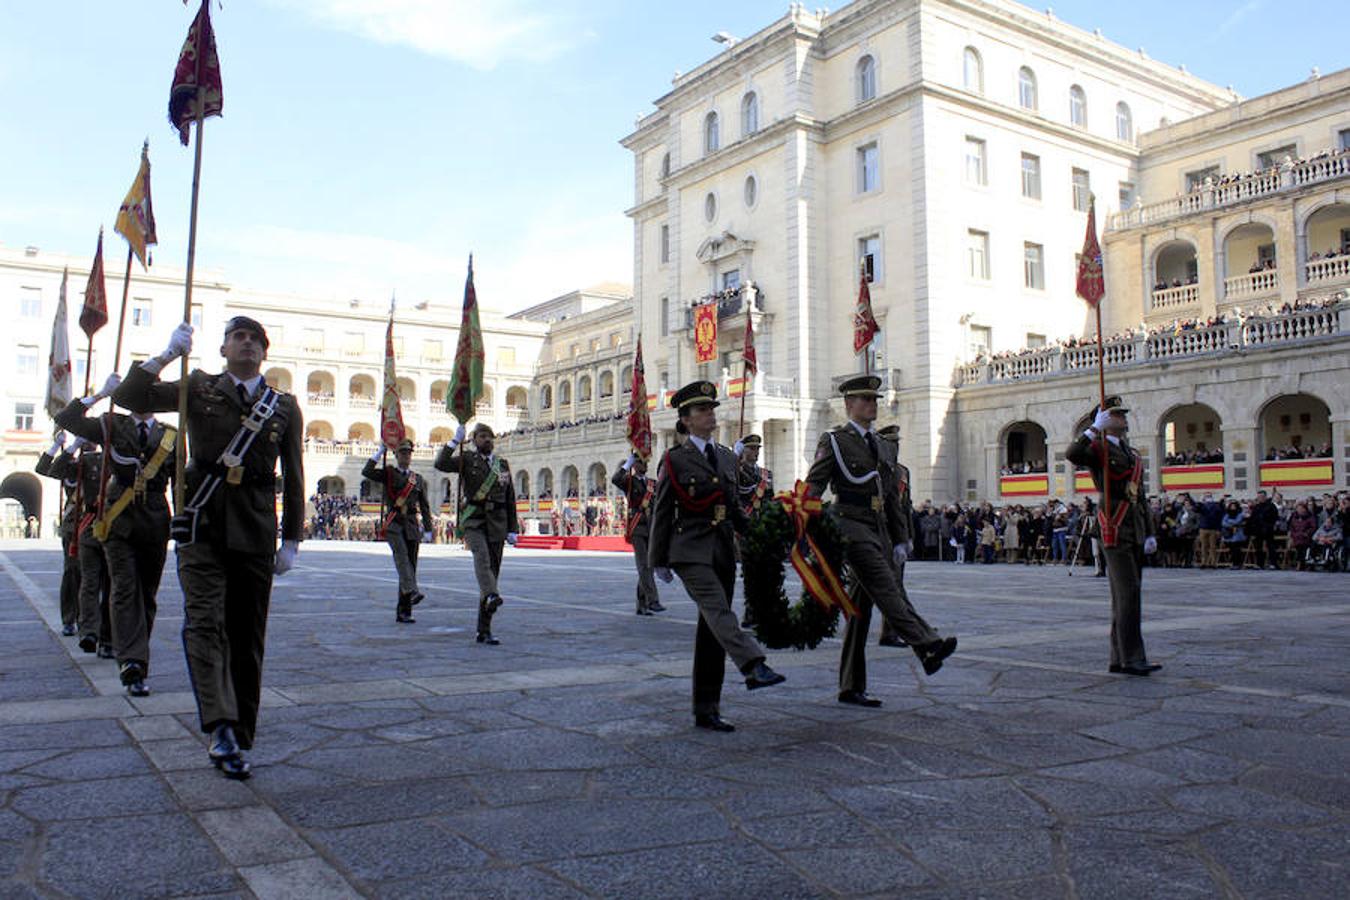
391 405
705 333
94 313
865 325
466 381
59 390
639 410
1091 280
196 79
751 357
136 218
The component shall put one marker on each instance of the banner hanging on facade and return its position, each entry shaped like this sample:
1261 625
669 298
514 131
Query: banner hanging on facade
705 333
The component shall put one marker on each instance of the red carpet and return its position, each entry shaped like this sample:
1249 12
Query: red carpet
613 544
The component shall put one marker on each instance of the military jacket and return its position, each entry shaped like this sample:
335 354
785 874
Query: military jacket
1129 499
870 501
696 506
749 478
240 517
62 467
495 513
413 516
639 492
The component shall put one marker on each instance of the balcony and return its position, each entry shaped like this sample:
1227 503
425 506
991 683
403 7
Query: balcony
322 401
357 401
1176 297
1327 271
1265 283
746 298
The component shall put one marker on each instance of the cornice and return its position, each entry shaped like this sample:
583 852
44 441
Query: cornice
743 149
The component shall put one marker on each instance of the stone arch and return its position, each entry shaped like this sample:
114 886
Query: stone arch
606 384
597 478
1299 420
546 396
584 393
544 480
517 398
278 378
319 384
407 389
523 484
361 431
438 391
571 482
565 392
1024 446
361 387
319 430
332 484
1243 244
441 435
1324 243
1189 429
25 489
1174 259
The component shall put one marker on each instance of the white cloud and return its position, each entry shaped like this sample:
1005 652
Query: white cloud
1236 17
478 33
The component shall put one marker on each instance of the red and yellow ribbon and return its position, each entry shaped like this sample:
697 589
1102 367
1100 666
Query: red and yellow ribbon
815 571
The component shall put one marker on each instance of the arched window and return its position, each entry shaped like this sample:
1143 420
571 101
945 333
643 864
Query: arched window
626 380
867 79
749 114
665 166
1124 123
711 139
1026 88
565 393
973 71
584 389
1077 107
606 384
546 397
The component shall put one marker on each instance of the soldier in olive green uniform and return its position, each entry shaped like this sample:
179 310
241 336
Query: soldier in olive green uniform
753 486
70 563
488 517
638 491
1126 527
134 523
695 515
861 470
406 519
238 428
891 433
80 466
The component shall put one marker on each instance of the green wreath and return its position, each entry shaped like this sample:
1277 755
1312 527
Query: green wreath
764 553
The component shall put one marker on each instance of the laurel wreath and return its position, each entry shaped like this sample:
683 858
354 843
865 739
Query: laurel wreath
764 555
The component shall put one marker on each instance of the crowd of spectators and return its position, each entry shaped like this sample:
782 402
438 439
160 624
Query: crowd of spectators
1194 457
1024 468
1294 451
565 424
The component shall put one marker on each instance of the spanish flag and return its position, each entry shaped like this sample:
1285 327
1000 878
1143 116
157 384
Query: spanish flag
136 218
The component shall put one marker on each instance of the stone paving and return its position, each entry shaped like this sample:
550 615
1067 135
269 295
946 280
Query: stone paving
407 761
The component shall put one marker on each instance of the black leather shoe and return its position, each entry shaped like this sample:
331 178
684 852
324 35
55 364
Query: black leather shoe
68 630
88 643
418 597
493 603
858 698
404 618
892 641
713 722
137 688
225 754
1135 670
656 607
644 612
485 637
932 655
236 768
105 651
761 676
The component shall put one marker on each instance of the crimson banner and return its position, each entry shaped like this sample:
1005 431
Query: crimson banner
705 333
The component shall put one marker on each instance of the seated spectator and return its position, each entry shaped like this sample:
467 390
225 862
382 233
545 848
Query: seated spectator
1234 535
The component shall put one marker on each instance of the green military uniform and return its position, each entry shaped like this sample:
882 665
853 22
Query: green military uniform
487 517
862 471
406 514
638 491
891 433
95 622
1125 527
226 571
70 563
135 530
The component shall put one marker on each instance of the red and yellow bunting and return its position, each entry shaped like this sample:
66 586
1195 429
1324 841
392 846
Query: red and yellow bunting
815 571
1297 473
1036 485
1082 482
522 506
1192 478
370 509
545 506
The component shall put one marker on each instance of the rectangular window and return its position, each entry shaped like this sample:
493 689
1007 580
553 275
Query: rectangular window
506 357
981 340
197 316
1126 195
1082 189
140 312
869 255
26 360
353 343
1345 138
1265 255
30 302
665 316
977 254
731 280
433 350
665 243
595 345
23 416
876 352
616 339
1196 180
869 173
1035 341
80 364
977 172
1031 176
576 350
1272 158
313 338
1033 266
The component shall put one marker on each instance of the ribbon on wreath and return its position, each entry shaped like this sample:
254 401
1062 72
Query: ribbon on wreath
819 578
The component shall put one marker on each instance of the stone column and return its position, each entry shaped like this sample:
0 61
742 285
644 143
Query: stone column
988 487
1207 270
1286 251
1147 446
1340 452
1242 458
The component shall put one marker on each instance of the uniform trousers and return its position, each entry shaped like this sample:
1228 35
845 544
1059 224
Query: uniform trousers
647 596
70 583
1124 570
874 569
487 566
95 586
135 564
905 623
719 634
225 600
405 559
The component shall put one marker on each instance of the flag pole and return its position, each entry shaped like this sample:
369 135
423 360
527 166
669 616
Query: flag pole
180 450
745 389
88 365
1101 386
122 319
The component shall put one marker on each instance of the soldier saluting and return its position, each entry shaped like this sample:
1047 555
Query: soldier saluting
692 533
406 519
638 491
1126 527
488 519
861 470
238 429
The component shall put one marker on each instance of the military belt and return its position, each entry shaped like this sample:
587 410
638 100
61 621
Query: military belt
864 502
267 479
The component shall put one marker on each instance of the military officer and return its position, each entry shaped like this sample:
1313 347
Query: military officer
238 428
70 564
861 470
133 523
1126 528
80 466
693 519
753 485
406 519
638 491
891 433
487 520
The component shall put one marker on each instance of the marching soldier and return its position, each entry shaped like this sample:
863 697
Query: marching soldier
79 467
638 490
1126 528
861 470
891 433
134 522
488 519
406 520
70 564
692 526
238 428
753 485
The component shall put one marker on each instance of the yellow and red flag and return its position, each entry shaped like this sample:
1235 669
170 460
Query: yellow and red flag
1091 280
196 79
59 390
136 218
639 411
865 325
392 430
94 313
466 381
705 332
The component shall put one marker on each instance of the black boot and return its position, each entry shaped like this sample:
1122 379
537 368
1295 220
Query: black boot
403 614
226 755
487 608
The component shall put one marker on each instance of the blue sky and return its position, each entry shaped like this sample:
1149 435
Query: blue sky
369 145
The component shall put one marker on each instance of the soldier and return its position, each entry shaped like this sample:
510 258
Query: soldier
753 485
862 471
889 636
638 490
406 520
134 522
80 466
695 513
488 518
70 564
238 427
1126 528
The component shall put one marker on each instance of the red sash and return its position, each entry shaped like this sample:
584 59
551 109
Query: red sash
1111 524
399 501
631 525
687 503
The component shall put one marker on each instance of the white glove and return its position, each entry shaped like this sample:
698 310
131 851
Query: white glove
909 548
511 538
285 557
459 436
110 384
900 553
77 443
664 574
628 463
378 453
180 343
57 443
1150 545
1100 422
738 447
426 537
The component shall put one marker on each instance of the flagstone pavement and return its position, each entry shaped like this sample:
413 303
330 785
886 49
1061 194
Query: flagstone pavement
408 761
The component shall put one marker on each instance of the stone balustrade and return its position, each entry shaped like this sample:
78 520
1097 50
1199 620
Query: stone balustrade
1322 271
1253 284
1176 297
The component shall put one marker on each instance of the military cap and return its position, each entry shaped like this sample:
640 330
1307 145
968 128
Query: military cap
246 324
861 386
405 444
890 433
1113 405
752 440
693 393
